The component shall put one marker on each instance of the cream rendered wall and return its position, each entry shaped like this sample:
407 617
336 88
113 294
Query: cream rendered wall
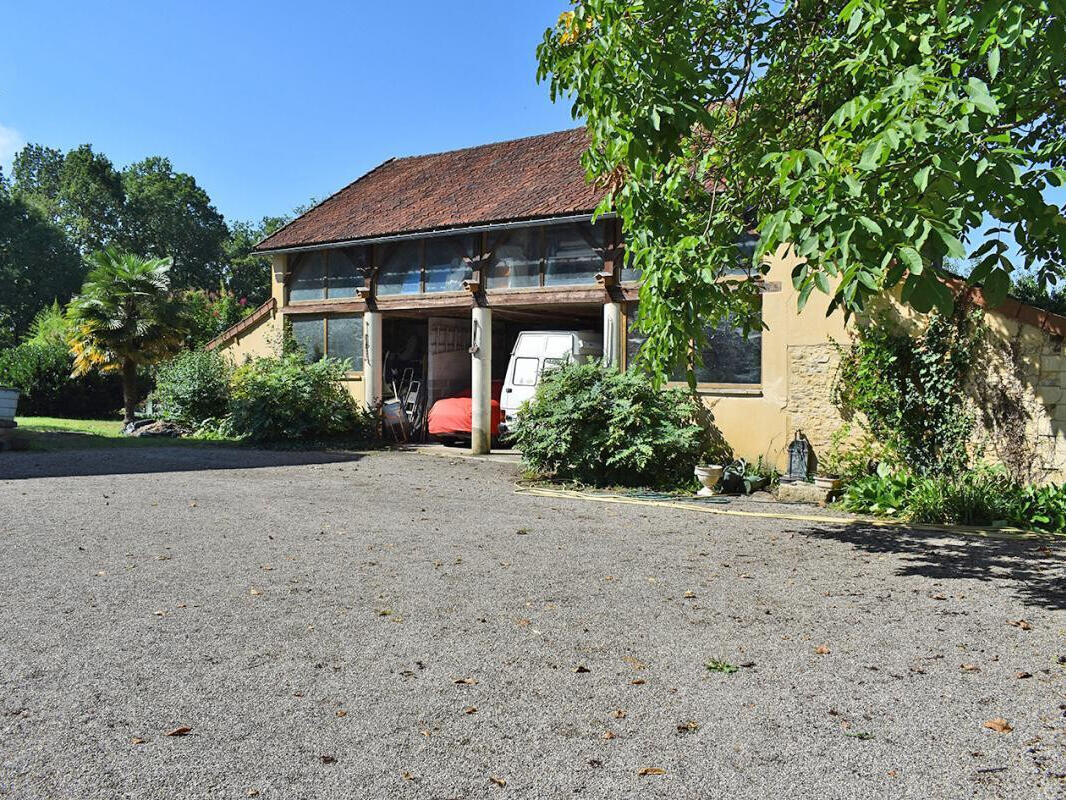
799 358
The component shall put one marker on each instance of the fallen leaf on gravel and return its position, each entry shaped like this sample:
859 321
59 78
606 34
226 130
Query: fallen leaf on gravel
581 668
969 668
822 650
938 597
328 759
524 622
100 574
1023 674
384 612
407 776
690 594
651 771
689 726
637 682
608 735
254 592
466 682
1021 623
522 532
342 713
470 710
138 740
999 725
252 793
297 694
618 713
595 763
498 780
424 732
634 662
265 567
161 613
182 730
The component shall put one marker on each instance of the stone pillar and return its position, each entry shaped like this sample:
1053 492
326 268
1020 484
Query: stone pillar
481 380
372 375
613 331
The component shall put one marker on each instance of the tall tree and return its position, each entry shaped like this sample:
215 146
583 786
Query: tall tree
873 135
38 265
247 272
125 317
168 214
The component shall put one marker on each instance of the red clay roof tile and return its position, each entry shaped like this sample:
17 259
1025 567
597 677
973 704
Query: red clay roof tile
539 176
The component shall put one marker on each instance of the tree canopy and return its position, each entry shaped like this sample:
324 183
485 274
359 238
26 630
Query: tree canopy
874 136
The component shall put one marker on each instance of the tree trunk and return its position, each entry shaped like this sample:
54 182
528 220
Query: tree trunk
129 389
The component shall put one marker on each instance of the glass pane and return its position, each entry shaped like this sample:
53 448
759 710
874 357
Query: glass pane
525 372
309 333
346 339
309 278
630 274
570 253
730 357
446 264
516 260
345 274
401 272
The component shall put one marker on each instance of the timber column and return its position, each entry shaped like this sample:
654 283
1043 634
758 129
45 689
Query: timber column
613 329
372 376
480 380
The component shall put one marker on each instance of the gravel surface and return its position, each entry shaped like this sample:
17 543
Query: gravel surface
402 625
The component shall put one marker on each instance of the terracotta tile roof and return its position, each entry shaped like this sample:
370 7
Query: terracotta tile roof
539 176
238 328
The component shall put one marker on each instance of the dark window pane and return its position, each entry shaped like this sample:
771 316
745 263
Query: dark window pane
571 253
309 278
346 339
730 357
630 274
309 334
401 272
634 338
345 274
516 260
446 263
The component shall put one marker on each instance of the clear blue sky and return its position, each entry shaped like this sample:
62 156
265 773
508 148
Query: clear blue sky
268 104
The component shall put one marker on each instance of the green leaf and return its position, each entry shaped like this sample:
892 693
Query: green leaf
913 260
870 225
921 178
995 287
979 96
871 156
993 62
954 246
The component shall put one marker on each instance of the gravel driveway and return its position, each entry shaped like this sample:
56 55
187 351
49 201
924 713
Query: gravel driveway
401 625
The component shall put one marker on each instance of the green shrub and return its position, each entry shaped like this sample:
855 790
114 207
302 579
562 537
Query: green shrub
1041 507
284 397
192 387
976 497
41 371
603 427
884 493
210 313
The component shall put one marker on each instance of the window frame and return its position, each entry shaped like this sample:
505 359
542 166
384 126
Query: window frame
705 387
329 254
324 319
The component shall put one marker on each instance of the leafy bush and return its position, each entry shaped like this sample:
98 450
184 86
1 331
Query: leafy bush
911 388
192 387
210 313
981 496
41 371
284 397
596 425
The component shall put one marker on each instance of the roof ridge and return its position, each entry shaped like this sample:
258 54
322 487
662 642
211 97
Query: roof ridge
323 201
488 144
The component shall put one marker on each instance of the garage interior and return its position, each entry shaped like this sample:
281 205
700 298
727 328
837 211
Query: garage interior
427 358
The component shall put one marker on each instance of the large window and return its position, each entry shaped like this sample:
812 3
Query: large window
327 274
401 268
515 260
728 357
337 336
448 262
572 253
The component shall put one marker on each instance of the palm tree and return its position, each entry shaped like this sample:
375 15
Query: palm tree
125 316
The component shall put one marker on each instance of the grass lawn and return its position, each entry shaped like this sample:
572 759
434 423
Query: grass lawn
47 434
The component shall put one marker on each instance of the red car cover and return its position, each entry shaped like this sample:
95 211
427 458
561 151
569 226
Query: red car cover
451 418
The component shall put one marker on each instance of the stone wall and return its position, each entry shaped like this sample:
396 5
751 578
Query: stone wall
812 371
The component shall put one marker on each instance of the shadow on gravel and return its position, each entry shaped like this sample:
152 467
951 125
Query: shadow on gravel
142 460
1037 567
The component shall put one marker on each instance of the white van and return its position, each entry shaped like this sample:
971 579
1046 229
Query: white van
535 351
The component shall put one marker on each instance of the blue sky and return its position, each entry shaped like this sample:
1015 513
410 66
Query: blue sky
268 104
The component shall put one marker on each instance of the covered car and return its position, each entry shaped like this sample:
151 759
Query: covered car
451 418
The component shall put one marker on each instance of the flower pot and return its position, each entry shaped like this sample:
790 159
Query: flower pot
708 475
826 482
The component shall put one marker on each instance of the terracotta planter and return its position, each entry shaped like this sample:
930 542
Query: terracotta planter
708 475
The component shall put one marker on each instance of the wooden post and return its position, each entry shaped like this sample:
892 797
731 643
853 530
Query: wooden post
372 375
481 380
